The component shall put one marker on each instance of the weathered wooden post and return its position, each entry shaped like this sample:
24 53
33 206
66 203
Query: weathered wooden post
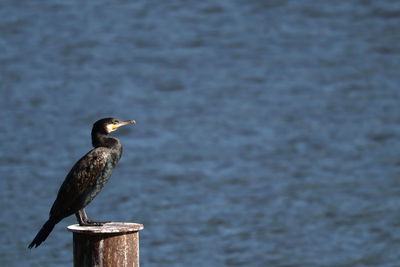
111 245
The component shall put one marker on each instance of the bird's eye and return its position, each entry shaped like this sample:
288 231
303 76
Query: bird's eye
115 122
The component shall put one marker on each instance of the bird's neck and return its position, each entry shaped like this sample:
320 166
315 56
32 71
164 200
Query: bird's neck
103 140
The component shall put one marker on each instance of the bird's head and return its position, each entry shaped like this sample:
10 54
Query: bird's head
108 125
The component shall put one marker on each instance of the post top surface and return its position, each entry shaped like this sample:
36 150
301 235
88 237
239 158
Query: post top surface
107 228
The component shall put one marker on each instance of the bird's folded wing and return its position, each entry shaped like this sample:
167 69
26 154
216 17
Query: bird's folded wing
83 176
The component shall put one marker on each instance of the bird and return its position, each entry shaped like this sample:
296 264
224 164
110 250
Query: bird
86 178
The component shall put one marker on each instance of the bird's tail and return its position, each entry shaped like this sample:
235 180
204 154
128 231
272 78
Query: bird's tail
44 232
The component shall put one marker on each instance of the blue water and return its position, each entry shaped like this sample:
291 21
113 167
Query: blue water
267 131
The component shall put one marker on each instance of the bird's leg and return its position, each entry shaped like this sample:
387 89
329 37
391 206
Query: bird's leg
84 220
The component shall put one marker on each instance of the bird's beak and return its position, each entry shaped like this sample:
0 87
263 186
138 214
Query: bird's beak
122 123
127 122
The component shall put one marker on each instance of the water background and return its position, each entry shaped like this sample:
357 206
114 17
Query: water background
267 131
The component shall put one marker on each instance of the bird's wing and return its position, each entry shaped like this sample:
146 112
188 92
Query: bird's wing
83 176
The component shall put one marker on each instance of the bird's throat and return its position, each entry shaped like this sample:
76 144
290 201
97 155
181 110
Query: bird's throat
103 140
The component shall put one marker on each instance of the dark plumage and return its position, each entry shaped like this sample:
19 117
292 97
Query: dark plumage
86 178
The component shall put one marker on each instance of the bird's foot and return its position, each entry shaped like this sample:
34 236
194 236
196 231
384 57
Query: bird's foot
83 219
92 223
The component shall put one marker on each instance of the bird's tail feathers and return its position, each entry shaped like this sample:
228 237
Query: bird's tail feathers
44 232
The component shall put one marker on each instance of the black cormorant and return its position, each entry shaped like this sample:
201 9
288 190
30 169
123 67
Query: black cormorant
86 178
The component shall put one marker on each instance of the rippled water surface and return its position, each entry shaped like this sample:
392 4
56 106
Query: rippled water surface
268 131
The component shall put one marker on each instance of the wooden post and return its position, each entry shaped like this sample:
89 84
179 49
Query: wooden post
110 245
